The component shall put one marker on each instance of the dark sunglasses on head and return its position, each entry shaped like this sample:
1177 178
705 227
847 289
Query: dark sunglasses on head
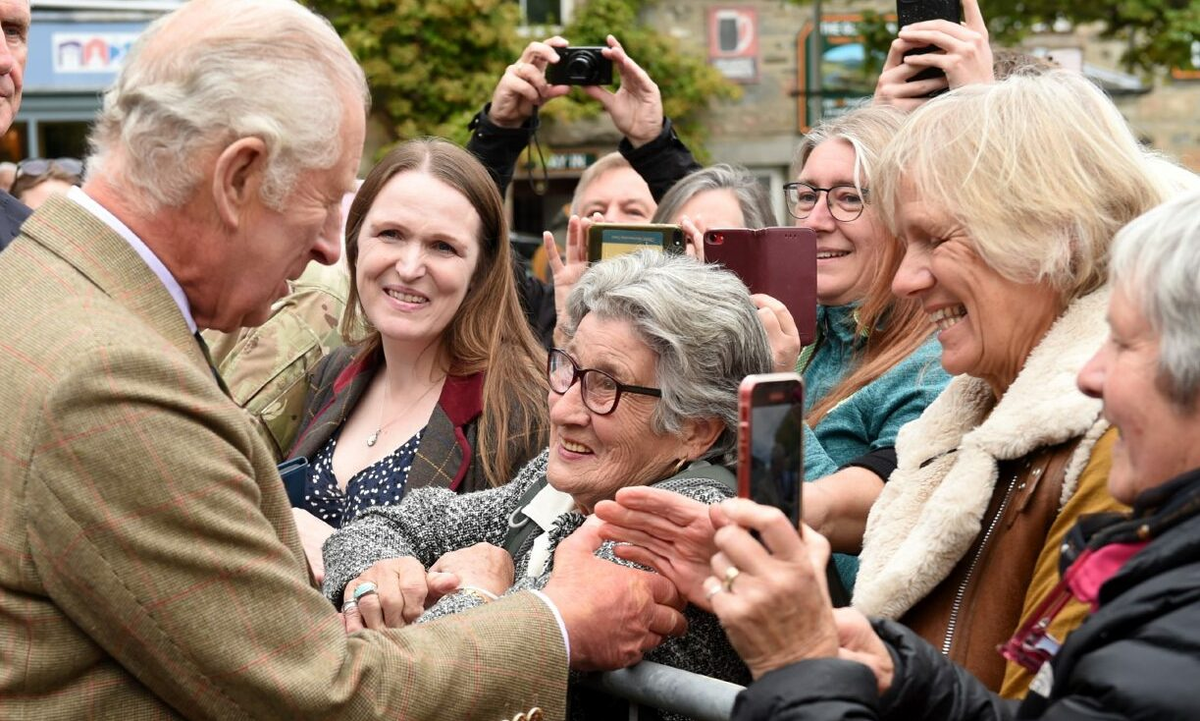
42 166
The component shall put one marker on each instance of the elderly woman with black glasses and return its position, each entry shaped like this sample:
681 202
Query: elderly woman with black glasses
643 392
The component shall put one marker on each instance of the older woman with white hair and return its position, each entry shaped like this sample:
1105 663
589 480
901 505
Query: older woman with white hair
642 392
1137 572
1006 232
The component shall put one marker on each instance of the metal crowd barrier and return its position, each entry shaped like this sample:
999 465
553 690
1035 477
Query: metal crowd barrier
669 689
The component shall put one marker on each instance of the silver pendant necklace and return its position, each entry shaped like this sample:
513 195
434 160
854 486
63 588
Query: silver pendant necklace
387 387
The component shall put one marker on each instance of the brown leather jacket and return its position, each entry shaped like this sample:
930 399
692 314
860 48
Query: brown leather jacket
979 604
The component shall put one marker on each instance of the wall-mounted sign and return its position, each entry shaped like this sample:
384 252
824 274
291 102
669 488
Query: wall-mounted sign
90 52
733 42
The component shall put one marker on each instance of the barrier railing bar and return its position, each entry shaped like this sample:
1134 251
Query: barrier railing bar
669 689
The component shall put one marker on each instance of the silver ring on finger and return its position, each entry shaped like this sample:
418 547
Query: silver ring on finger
349 606
365 588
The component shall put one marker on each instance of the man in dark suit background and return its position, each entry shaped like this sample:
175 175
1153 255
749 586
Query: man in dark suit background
149 563
14 19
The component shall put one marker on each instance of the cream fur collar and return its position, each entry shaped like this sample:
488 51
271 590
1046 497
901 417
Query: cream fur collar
931 510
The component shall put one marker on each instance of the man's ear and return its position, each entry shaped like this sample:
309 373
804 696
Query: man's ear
237 178
699 434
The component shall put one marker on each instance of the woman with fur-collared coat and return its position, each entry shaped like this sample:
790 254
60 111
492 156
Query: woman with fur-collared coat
1006 236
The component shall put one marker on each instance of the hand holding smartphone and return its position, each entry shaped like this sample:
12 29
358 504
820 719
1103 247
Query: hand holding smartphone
770 441
915 11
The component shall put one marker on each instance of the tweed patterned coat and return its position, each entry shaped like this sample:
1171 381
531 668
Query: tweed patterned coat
431 522
149 564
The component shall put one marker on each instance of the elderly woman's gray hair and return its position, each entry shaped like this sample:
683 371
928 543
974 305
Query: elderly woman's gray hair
1156 265
751 195
697 317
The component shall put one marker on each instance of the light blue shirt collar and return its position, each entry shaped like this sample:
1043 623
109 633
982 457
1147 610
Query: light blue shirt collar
89 204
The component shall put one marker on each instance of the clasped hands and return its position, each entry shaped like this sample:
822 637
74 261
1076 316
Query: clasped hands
612 613
404 589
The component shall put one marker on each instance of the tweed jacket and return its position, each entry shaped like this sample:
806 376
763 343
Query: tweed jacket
446 455
432 522
149 564
933 511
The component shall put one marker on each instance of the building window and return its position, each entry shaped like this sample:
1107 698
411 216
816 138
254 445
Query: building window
549 13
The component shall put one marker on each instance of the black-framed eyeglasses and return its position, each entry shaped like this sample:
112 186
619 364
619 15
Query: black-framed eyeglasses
599 390
41 166
845 202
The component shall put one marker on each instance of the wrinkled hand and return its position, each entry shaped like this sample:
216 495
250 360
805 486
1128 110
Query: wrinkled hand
523 85
966 58
859 642
566 274
694 230
776 612
613 614
313 532
636 108
782 334
670 533
482 566
402 587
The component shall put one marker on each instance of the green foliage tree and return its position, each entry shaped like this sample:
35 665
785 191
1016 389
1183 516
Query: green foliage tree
431 65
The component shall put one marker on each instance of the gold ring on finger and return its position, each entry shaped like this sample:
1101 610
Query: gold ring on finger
731 575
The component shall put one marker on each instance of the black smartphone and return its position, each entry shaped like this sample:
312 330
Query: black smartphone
580 66
771 441
915 11
608 240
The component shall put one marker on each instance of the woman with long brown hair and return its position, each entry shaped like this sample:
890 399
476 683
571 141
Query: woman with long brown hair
441 382
875 363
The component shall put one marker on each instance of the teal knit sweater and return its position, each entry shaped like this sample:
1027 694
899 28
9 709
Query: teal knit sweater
869 419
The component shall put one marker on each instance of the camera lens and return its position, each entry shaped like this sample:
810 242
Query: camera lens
581 67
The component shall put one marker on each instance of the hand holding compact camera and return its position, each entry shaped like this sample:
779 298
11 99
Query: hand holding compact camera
580 66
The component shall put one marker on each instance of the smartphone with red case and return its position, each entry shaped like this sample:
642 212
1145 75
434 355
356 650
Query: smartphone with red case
771 441
780 262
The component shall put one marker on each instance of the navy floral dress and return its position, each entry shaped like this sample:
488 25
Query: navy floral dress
380 484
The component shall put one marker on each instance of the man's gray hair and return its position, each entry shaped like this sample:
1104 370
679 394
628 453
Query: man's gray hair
751 195
218 70
1156 265
697 317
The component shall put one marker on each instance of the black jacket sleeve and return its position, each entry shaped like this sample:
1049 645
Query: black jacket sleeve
881 462
662 162
498 148
926 687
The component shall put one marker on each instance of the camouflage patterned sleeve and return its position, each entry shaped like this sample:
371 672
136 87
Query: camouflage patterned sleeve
265 367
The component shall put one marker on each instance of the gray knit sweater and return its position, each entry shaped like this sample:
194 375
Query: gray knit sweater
430 522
